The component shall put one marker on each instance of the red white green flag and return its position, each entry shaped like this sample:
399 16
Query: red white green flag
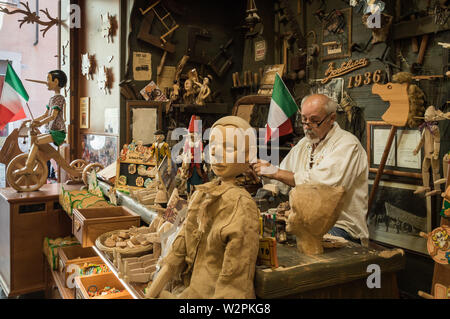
282 107
13 97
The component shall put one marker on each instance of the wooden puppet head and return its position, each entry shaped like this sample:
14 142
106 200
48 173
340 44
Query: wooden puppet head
232 147
314 211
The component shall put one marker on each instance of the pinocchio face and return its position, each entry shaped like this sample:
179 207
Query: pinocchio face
52 84
228 151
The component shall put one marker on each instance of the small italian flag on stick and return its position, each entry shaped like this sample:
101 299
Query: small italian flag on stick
12 97
282 107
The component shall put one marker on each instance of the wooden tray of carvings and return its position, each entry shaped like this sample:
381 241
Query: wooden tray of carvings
124 252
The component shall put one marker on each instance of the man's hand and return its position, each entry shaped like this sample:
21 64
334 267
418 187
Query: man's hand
264 168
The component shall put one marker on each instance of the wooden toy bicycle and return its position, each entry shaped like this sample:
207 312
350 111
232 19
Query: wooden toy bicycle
33 180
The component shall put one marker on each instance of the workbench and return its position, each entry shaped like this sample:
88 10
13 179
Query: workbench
337 273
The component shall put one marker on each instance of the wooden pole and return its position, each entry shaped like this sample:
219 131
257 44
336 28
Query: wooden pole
381 168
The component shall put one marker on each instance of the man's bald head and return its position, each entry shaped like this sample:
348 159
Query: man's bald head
319 101
318 113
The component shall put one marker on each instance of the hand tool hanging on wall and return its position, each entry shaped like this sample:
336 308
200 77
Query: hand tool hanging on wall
253 21
170 27
297 34
223 54
388 64
146 27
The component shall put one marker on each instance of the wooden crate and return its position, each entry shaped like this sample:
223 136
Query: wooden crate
75 255
100 281
89 223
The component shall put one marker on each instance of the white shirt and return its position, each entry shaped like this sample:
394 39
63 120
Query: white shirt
338 160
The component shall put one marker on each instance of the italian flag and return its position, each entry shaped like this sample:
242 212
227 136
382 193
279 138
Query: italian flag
12 98
282 107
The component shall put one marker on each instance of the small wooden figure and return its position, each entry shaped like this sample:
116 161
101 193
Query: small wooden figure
430 140
204 92
87 67
192 166
313 213
216 248
189 95
160 149
103 80
175 94
107 26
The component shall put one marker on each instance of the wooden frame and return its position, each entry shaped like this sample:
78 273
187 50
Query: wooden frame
346 47
107 154
390 169
135 104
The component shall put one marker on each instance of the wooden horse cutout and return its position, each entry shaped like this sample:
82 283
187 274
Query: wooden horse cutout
396 115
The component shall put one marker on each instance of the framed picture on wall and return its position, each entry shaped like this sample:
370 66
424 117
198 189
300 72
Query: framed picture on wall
334 88
101 148
336 34
400 161
143 119
398 216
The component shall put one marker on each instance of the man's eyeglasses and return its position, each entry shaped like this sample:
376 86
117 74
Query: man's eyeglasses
314 124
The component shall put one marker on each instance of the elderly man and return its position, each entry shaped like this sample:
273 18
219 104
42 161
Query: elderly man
328 155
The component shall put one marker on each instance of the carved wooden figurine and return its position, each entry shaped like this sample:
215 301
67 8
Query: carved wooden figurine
313 213
160 149
107 26
87 67
192 166
216 249
103 80
204 92
431 141
189 94
53 116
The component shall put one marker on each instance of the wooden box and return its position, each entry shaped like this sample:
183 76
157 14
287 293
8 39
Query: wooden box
75 255
100 281
89 223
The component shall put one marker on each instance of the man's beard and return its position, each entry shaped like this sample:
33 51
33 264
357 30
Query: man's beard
311 137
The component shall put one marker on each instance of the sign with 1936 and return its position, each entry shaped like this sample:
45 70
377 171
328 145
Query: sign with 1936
364 79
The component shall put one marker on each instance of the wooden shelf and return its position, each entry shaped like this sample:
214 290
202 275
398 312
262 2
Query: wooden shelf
65 293
215 108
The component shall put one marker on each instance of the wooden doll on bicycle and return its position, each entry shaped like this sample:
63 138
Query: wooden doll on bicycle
53 118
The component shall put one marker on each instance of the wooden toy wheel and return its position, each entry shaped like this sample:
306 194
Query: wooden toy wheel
93 166
28 182
78 165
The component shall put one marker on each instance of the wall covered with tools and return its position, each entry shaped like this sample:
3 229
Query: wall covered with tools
407 42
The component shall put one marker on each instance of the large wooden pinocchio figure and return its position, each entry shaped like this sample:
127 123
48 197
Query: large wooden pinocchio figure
53 117
215 250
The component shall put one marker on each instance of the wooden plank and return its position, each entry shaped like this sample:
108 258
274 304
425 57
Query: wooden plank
299 273
409 29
